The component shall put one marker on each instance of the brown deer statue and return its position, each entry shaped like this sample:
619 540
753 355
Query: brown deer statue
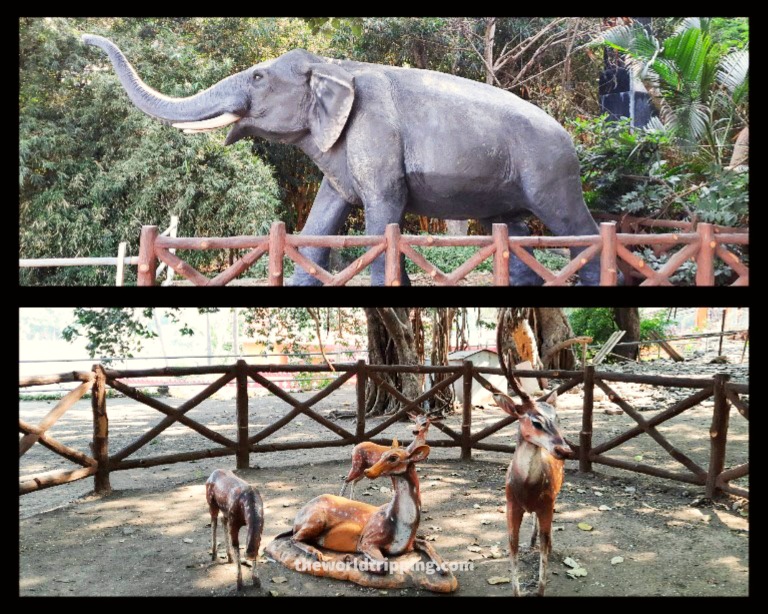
535 475
240 505
345 525
367 453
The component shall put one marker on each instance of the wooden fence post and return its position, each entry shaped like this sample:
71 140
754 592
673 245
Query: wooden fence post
361 378
242 415
501 255
585 437
276 252
718 433
100 450
705 259
608 264
147 258
120 268
466 413
392 274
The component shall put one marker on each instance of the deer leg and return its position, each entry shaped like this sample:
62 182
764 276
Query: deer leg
307 532
545 546
225 522
374 555
234 541
425 547
214 522
535 533
514 518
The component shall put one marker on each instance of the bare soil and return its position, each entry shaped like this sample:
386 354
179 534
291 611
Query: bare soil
151 535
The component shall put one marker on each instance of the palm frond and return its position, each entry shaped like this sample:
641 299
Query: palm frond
733 74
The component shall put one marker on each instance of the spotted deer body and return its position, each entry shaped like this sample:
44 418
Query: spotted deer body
345 525
366 454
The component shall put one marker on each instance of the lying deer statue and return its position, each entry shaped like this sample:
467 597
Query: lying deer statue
240 505
345 525
366 454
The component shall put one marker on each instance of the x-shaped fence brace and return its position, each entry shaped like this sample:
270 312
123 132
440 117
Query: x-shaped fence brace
702 245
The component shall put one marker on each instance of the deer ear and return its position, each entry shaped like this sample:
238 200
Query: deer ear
508 405
332 93
551 399
419 454
395 443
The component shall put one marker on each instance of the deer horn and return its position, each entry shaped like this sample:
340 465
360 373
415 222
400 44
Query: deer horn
505 366
395 443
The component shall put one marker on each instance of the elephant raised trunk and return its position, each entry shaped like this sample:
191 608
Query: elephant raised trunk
219 105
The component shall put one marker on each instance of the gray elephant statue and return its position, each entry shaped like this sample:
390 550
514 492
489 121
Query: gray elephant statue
393 141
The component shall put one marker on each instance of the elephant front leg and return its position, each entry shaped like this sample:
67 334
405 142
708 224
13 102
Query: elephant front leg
520 274
327 216
379 214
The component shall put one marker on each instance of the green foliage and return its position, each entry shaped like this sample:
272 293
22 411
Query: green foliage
698 87
93 170
595 322
118 331
613 155
655 326
448 259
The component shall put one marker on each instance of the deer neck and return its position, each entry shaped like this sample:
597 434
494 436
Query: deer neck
404 510
528 466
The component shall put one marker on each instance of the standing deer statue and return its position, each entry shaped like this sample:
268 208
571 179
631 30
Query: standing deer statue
240 505
345 525
535 475
367 453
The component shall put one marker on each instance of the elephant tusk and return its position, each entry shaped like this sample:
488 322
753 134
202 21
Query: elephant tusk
208 124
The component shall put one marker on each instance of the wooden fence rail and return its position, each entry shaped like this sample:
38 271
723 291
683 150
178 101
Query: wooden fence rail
703 245
100 462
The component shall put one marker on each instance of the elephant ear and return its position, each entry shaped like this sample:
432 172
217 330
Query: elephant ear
333 91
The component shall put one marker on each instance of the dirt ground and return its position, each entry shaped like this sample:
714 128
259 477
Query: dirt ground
151 535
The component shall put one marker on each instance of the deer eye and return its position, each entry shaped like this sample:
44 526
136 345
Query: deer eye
537 425
393 458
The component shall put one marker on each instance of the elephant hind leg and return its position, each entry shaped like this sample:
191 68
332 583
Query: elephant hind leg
520 274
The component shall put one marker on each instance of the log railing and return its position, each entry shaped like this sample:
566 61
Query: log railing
612 249
101 461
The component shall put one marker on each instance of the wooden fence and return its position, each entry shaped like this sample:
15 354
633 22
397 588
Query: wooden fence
612 248
100 462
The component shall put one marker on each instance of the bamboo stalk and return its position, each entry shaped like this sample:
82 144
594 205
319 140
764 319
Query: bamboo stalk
420 261
168 371
740 405
532 263
494 447
705 261
437 443
360 423
662 275
734 473
199 243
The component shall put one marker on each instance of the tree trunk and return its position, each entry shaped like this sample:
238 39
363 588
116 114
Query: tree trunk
628 319
552 327
391 341
441 341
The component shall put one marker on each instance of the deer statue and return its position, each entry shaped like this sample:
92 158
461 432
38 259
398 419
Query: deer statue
366 454
345 525
535 475
240 505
